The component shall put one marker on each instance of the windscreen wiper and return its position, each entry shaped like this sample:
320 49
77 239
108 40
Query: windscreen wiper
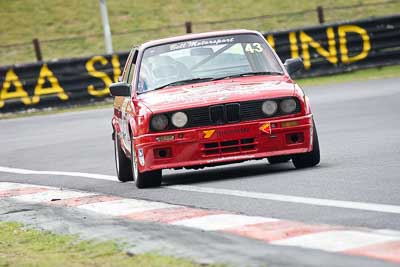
248 74
182 82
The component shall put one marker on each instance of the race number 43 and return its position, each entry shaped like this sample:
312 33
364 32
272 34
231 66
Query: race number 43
253 48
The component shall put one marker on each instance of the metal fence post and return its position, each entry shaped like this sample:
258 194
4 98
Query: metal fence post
38 52
188 26
106 27
321 18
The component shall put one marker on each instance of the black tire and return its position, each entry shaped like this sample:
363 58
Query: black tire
122 163
144 179
278 159
311 158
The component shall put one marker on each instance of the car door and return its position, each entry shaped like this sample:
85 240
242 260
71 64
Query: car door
126 106
120 103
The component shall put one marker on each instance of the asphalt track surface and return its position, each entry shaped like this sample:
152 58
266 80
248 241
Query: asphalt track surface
359 131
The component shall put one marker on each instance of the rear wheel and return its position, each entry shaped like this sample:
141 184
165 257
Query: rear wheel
311 158
122 163
278 159
144 179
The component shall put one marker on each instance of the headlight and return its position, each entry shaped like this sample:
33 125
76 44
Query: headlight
269 107
159 122
179 119
288 105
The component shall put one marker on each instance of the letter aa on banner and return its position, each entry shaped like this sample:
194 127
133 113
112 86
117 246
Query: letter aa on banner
55 88
11 78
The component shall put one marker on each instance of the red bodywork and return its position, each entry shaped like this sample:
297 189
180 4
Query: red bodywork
217 144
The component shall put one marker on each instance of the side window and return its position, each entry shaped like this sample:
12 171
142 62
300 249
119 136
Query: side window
126 68
131 69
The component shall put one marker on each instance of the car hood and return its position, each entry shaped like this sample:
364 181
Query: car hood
217 92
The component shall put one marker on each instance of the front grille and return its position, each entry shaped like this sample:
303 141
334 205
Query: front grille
251 110
229 147
198 117
233 112
217 114
228 113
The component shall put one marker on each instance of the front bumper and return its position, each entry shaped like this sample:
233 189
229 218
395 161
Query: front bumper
224 143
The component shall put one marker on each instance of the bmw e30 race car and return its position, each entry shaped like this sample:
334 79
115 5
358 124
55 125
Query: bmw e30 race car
208 99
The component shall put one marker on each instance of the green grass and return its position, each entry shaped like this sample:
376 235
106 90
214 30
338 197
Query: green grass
20 246
23 20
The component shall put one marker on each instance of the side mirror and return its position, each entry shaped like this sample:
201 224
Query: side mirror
120 89
293 64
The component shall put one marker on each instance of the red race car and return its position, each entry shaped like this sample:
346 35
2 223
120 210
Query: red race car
207 99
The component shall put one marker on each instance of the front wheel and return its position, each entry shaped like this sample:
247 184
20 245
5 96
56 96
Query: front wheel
144 179
122 163
311 158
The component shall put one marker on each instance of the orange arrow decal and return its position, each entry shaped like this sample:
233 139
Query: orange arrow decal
208 133
266 128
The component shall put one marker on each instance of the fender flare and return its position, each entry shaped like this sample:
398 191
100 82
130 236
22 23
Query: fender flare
115 127
132 128
307 105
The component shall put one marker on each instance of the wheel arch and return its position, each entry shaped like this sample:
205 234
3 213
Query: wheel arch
115 128
132 127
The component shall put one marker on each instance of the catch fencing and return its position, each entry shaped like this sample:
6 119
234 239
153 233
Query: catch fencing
325 49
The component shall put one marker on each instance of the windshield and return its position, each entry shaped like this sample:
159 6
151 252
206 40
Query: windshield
205 59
